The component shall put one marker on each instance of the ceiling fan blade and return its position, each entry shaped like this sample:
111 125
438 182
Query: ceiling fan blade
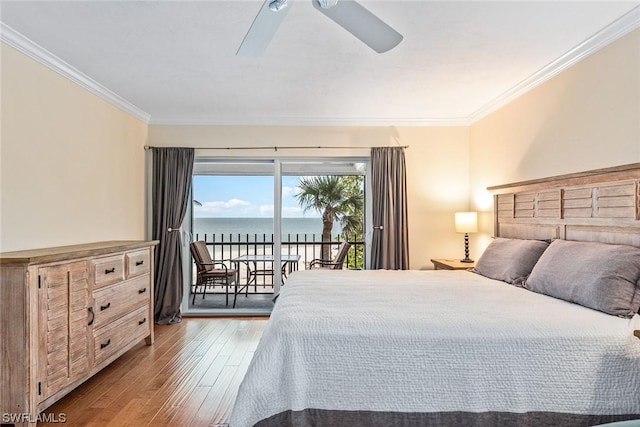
363 24
262 29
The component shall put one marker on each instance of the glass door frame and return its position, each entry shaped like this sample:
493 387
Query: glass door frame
277 173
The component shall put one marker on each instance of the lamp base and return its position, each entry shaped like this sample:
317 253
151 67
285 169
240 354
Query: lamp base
466 249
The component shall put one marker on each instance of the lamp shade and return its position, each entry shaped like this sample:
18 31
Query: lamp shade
466 222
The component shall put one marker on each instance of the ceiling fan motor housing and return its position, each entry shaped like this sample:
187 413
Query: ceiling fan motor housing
327 4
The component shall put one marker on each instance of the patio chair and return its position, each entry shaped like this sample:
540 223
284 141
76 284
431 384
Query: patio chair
337 263
210 276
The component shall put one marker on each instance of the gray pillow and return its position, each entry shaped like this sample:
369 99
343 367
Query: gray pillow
510 260
596 275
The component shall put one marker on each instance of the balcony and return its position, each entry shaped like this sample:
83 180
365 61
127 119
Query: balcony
226 247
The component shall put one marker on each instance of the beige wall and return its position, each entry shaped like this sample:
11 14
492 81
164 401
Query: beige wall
72 165
270 136
437 167
437 181
587 117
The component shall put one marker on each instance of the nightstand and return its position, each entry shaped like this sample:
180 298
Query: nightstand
451 264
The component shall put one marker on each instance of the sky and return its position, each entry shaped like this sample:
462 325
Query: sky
244 196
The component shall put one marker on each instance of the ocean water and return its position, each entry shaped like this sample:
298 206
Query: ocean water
256 228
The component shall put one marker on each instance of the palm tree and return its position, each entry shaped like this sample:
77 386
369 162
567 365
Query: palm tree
337 200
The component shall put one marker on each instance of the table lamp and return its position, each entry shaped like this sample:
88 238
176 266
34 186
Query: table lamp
466 222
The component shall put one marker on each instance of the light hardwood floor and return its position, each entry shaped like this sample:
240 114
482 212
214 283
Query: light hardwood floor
188 377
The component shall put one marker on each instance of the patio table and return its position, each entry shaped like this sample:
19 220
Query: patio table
262 265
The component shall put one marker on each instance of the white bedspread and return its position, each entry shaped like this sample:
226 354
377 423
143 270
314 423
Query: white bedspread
432 341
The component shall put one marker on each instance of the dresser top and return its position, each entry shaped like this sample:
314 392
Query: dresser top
63 253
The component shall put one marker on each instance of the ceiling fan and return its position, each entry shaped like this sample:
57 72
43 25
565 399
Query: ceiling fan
349 14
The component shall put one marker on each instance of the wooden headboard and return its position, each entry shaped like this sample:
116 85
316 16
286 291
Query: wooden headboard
601 205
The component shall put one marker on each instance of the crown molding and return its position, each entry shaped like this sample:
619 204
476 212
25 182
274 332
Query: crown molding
16 40
307 121
618 28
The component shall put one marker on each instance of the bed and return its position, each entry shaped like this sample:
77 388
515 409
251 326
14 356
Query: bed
495 346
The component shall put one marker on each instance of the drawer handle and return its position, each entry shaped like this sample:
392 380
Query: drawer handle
106 344
142 291
139 263
104 307
93 316
142 322
112 270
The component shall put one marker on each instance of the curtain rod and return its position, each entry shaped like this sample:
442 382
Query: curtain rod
276 148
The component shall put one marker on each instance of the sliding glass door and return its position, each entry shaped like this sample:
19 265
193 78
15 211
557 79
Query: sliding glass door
267 219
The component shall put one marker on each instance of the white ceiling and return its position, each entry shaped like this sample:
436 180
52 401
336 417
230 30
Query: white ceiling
175 60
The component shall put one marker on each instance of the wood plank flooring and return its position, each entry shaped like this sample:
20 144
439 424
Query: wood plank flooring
188 377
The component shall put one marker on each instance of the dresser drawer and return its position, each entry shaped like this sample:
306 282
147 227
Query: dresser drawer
108 270
114 301
112 338
137 263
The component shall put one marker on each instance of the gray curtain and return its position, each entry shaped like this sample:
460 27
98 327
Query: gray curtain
172 170
390 242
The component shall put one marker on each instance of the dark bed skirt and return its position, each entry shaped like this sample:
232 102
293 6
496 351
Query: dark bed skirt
330 418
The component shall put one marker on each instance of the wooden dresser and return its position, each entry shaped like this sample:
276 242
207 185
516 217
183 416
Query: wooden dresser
66 313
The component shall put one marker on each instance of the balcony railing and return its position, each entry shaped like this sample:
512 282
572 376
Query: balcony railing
225 247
